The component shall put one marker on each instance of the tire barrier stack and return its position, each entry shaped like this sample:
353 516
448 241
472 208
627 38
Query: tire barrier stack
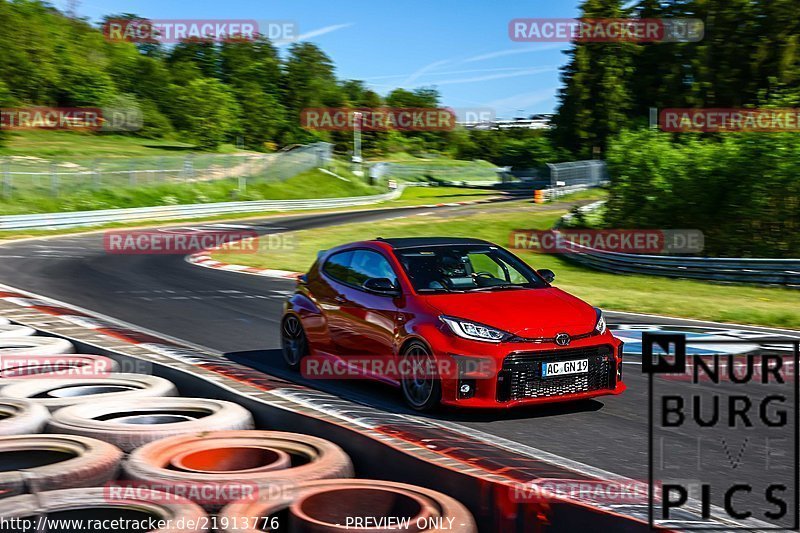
130 425
55 393
121 446
30 345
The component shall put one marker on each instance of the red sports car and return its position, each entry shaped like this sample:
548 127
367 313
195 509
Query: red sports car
454 321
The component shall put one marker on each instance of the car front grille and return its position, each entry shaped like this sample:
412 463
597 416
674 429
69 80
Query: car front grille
521 376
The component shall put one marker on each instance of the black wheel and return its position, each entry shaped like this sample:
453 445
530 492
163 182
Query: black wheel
421 387
293 342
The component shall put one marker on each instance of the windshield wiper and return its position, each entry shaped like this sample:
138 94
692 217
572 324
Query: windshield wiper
507 286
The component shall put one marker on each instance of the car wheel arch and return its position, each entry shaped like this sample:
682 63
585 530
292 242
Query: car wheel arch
414 338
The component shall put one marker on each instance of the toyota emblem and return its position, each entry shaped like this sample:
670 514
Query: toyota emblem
562 339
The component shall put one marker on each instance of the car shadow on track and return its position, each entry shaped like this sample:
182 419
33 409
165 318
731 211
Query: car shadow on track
387 398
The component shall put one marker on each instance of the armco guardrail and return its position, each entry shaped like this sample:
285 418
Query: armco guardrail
134 214
767 271
741 270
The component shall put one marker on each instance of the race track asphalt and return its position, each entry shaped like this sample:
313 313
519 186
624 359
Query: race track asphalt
238 315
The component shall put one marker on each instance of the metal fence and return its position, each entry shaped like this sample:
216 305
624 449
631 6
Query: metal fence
37 176
422 172
576 175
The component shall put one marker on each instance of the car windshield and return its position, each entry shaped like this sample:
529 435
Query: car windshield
466 268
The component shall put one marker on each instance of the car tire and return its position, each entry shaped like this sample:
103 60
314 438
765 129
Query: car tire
216 459
294 343
21 417
325 505
50 462
421 394
15 330
129 425
178 515
56 393
35 346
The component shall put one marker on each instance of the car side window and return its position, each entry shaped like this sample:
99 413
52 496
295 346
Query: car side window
367 264
338 266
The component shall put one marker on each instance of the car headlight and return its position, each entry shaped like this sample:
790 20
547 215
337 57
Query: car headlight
473 330
600 325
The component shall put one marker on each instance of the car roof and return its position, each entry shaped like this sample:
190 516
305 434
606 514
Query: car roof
417 242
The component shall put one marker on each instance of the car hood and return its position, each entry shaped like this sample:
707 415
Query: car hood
528 313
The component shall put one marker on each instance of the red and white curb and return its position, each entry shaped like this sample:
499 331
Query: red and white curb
204 258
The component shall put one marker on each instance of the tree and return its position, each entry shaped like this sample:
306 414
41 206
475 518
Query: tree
209 112
595 101
200 56
245 61
251 68
309 79
263 118
6 100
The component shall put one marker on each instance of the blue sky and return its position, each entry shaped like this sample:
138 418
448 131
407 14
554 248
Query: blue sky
460 47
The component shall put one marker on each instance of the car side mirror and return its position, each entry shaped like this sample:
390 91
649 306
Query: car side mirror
381 286
547 274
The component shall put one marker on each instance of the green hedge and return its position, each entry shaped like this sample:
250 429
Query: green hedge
741 189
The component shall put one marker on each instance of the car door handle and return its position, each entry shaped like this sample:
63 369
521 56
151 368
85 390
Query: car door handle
339 299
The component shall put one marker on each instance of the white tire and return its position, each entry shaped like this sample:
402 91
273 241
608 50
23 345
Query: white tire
15 330
20 417
96 504
35 346
50 462
130 425
57 393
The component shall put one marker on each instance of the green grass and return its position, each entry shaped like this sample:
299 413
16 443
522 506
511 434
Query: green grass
442 168
645 294
405 158
310 184
436 195
66 145
316 184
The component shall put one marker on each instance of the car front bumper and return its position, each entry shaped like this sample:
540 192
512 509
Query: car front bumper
506 375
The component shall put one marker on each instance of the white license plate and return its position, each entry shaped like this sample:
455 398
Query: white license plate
562 368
